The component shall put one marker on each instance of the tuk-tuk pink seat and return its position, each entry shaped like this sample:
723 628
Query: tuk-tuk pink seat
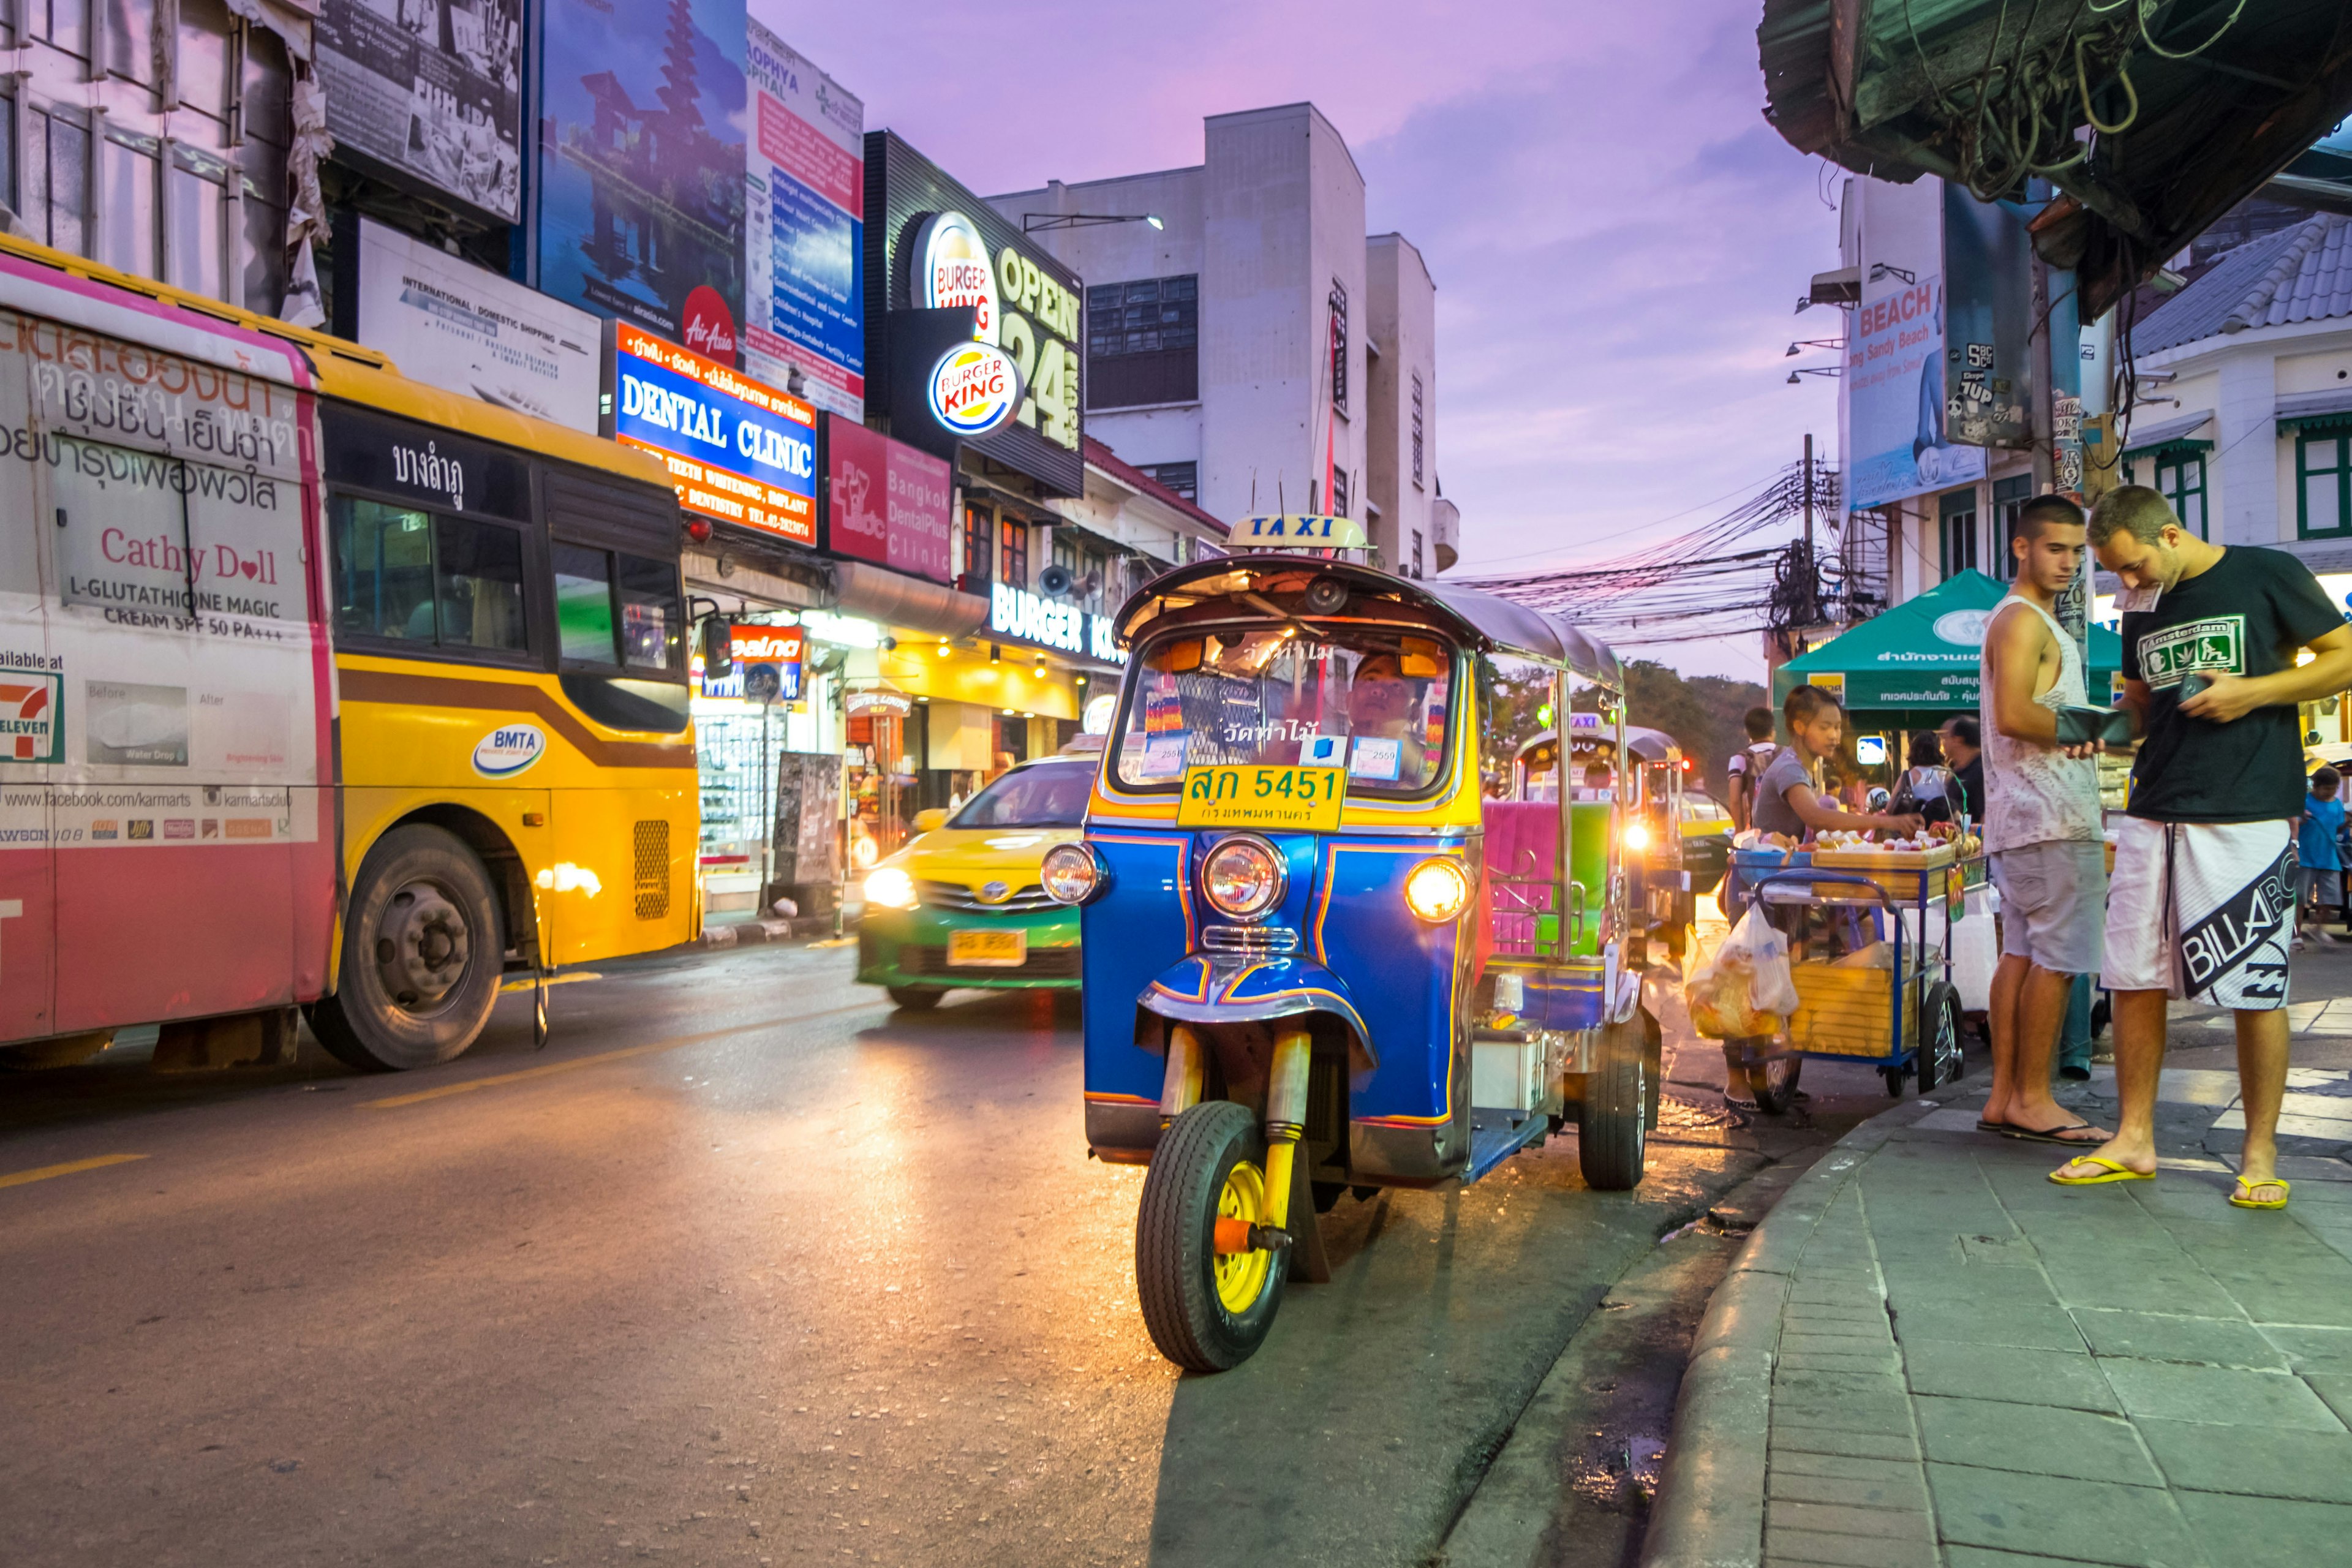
1522 867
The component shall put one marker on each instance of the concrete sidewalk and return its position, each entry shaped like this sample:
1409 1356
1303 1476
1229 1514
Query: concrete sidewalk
1929 1354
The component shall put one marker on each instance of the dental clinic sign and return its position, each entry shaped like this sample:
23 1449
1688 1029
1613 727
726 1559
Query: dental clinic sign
1028 617
739 451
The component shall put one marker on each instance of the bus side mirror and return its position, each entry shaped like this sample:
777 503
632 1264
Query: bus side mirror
718 648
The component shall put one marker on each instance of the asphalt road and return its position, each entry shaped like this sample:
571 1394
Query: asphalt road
747 1268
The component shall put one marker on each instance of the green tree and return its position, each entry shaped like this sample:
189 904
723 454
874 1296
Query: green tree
1704 713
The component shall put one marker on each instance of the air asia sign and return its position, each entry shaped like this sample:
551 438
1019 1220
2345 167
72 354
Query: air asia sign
737 450
1018 612
776 650
886 502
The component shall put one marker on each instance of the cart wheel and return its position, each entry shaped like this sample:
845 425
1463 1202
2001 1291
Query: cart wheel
1775 1083
1940 1060
1206 1311
1611 1142
1894 1077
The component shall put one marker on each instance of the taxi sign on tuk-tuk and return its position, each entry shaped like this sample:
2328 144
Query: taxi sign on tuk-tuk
1303 531
1301 800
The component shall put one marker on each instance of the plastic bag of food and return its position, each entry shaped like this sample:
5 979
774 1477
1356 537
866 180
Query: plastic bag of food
1745 989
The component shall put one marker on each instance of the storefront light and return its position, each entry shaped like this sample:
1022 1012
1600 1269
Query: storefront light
943 647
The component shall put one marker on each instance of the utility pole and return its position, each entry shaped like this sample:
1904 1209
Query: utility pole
1812 572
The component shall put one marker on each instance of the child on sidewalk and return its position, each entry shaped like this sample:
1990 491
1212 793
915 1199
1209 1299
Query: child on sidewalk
2316 853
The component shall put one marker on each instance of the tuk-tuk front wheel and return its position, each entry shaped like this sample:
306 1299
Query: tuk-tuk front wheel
1207 1311
1612 1145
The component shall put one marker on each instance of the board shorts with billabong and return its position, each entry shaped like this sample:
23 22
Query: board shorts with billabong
2201 909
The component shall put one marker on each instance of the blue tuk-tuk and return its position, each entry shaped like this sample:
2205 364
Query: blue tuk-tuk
1335 936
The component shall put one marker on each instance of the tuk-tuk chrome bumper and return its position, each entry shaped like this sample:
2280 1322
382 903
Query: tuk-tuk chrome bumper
1214 988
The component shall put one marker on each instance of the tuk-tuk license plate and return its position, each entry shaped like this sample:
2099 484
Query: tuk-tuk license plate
988 949
1301 799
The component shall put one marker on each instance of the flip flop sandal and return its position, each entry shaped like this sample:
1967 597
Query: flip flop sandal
2241 1198
2112 1170
2054 1135
1984 1126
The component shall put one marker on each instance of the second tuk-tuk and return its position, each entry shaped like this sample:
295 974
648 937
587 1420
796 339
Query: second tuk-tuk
1334 939
1647 768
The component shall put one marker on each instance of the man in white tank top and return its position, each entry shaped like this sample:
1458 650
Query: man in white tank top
2042 826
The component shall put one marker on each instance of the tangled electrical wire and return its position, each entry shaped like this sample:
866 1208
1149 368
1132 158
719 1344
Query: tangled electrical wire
1697 585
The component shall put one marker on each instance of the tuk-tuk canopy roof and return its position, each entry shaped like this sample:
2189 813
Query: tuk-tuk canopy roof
1923 653
1482 619
1650 745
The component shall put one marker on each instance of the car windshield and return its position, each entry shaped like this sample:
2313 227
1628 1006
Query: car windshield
1371 699
1050 794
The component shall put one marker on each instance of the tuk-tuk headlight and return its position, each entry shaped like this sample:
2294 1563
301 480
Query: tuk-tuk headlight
890 887
1637 836
1243 877
1072 873
1435 890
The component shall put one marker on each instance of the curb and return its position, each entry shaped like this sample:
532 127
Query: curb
1709 1511
752 934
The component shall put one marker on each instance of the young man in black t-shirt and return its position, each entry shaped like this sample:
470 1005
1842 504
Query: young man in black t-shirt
2202 899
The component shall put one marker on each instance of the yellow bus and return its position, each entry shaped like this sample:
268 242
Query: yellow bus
318 685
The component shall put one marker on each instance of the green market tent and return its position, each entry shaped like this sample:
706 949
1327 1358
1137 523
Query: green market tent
1919 660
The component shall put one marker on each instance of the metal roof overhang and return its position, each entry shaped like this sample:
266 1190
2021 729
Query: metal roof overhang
1892 88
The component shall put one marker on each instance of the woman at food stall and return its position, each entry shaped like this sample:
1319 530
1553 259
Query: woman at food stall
1791 798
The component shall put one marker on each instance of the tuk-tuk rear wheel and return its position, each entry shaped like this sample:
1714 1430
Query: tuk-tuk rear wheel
1206 1312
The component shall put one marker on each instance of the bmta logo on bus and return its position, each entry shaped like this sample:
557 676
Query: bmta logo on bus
507 750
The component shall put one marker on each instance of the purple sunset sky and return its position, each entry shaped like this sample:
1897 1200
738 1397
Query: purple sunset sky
1618 237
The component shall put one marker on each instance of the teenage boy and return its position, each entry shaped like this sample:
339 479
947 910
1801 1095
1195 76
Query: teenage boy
1746 767
2040 827
2316 853
2200 899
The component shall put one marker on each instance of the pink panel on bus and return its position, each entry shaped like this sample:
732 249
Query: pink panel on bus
161 931
27 928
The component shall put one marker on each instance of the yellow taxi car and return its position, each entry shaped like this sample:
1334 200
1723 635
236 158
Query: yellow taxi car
962 903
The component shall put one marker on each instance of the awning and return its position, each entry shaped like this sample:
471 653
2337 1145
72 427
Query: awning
2180 432
909 604
1923 654
2315 411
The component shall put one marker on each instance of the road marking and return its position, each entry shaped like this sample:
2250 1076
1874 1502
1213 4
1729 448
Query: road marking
550 1070
526 983
43 1173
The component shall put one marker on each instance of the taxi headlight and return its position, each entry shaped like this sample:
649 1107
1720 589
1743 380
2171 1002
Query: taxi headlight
1435 890
890 887
1243 877
1072 873
1637 836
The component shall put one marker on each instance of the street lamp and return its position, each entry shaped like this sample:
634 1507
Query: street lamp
1037 223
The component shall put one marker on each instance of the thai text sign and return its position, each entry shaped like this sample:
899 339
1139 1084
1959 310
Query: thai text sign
737 450
1298 799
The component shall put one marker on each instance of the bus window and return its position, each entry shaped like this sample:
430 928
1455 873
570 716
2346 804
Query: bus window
583 604
652 628
418 578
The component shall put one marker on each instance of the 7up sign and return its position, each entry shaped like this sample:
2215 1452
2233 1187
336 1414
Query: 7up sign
2215 645
32 717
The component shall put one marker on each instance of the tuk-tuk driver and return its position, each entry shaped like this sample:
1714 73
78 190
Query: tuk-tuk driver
1384 706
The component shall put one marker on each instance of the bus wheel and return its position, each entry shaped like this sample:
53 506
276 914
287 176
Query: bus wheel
1206 1311
1611 1142
421 955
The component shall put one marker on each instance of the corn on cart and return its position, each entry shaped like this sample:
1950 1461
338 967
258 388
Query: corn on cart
1869 947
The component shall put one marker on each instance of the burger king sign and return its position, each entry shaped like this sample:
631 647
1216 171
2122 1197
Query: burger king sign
975 388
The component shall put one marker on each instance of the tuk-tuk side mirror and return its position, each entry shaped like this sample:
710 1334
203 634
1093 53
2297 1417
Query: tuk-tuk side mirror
931 820
717 647
1179 657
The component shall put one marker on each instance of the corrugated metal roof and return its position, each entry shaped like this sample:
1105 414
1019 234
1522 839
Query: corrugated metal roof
2146 438
2299 274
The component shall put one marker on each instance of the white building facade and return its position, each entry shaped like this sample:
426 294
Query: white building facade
1248 346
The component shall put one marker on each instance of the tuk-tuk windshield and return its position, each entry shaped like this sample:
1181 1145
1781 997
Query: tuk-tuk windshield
1372 699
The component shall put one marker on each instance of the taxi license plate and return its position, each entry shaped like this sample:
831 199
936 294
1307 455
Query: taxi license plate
988 949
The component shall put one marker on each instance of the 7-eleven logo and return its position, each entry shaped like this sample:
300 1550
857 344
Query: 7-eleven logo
32 717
